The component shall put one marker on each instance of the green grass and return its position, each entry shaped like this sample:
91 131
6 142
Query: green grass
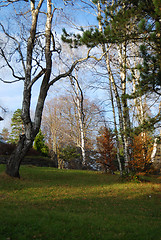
54 204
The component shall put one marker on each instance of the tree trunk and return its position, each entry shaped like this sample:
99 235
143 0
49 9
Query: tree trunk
83 144
32 128
125 110
13 163
116 132
106 49
80 114
119 107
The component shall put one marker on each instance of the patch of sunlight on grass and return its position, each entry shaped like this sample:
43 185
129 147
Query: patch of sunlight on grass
49 204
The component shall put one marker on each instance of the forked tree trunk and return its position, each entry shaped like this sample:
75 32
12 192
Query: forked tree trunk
120 112
32 75
31 129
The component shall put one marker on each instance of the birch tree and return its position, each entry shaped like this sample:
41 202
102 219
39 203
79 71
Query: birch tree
121 101
34 55
79 101
114 38
117 33
63 128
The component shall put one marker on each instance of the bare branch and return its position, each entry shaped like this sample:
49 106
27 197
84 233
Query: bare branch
19 48
4 81
3 109
81 99
39 4
99 59
13 72
7 2
36 78
66 74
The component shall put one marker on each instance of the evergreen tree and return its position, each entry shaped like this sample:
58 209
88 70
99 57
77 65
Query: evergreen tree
141 153
17 126
106 149
129 20
148 14
39 144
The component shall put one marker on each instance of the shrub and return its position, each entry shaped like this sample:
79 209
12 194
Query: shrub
40 146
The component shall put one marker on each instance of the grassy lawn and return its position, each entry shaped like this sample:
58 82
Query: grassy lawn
48 203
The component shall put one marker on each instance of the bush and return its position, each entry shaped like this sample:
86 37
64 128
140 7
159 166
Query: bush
40 146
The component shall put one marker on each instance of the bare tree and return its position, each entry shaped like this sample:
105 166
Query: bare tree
79 101
34 55
61 123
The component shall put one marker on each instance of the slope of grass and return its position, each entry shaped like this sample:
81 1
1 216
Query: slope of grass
54 204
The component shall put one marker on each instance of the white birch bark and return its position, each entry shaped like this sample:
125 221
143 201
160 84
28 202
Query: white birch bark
80 113
116 131
138 101
125 112
154 150
113 87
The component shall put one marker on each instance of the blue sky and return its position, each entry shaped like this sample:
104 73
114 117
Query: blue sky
11 94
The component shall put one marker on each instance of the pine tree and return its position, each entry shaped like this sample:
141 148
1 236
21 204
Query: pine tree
17 126
129 20
148 14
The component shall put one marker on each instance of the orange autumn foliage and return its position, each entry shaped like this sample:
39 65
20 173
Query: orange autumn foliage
106 149
141 153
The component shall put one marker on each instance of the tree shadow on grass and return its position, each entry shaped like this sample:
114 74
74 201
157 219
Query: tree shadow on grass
82 217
